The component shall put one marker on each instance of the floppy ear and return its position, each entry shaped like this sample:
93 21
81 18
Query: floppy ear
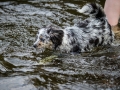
56 36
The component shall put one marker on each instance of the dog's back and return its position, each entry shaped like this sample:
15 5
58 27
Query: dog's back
97 21
92 32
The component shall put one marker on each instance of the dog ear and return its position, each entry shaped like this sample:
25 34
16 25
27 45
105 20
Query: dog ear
56 36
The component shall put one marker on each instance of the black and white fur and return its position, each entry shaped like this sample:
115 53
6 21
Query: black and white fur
83 36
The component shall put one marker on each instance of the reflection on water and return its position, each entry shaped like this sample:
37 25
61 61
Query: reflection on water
19 67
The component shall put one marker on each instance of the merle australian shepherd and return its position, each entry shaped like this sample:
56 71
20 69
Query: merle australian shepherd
84 36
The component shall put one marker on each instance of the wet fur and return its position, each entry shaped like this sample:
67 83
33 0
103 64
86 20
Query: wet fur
83 36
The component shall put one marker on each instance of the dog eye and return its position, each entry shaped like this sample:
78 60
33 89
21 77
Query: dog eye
41 39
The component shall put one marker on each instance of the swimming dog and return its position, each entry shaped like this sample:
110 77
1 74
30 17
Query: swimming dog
84 36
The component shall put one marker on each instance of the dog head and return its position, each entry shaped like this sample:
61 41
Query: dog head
48 37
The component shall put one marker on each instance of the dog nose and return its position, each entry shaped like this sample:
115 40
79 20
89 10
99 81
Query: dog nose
35 46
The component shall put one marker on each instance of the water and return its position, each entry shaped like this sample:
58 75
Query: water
19 61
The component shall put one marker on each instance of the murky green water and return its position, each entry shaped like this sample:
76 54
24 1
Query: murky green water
19 61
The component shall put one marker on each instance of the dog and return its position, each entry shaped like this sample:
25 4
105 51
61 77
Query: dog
82 37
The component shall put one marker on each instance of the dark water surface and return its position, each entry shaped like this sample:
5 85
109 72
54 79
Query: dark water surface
19 67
